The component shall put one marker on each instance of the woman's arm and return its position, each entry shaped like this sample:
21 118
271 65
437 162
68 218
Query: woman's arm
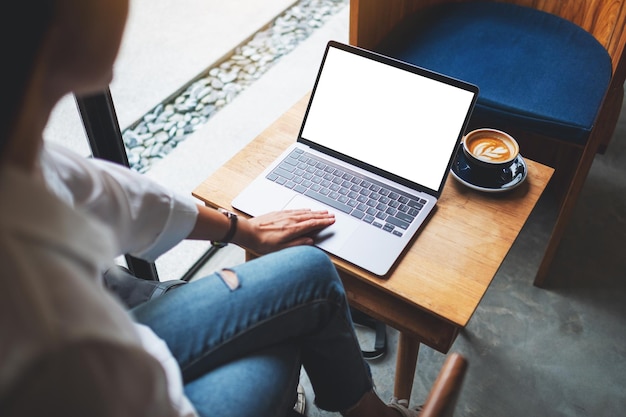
262 234
149 219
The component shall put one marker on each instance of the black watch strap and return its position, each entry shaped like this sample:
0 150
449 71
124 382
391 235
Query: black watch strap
232 217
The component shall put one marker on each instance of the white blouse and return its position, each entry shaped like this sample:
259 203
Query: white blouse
66 346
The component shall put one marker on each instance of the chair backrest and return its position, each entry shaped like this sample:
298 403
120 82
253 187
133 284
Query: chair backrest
604 19
445 391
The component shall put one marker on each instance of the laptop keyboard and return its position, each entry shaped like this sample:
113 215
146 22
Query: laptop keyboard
381 206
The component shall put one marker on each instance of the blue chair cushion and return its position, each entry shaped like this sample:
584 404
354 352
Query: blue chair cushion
536 71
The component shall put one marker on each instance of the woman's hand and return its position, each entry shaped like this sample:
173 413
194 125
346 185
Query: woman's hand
281 229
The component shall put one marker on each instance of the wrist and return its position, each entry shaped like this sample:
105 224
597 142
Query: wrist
232 229
244 236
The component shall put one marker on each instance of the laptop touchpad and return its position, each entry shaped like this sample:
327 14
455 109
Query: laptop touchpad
333 237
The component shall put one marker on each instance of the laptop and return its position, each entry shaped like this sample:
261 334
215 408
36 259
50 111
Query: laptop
375 148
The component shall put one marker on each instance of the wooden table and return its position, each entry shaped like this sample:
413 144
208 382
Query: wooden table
435 288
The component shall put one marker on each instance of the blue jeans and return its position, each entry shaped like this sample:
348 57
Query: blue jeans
241 350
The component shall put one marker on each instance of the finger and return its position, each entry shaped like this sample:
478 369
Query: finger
309 226
305 211
284 214
315 215
295 218
294 211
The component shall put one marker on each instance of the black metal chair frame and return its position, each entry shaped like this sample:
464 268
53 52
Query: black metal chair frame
99 118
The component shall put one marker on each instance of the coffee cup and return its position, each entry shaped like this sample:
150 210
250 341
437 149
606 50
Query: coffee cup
490 148
490 161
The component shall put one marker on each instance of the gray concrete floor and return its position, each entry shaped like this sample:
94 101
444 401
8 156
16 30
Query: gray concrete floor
532 352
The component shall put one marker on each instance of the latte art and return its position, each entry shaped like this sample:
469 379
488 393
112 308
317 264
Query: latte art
490 149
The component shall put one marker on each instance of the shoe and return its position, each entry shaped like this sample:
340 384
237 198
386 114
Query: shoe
402 406
300 405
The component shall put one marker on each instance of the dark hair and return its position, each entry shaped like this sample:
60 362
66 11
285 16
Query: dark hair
23 26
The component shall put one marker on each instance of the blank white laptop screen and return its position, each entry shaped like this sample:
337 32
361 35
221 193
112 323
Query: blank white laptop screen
387 117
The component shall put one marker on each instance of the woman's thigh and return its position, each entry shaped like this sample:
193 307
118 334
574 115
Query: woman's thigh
278 298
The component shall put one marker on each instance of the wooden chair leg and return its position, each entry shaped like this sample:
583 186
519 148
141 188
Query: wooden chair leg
605 128
406 362
565 213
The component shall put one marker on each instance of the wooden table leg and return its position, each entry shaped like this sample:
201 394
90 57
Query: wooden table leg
406 362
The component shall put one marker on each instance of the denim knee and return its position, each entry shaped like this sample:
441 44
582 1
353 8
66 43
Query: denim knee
311 263
314 259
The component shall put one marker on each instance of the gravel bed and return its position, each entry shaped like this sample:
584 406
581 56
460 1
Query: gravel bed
157 133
